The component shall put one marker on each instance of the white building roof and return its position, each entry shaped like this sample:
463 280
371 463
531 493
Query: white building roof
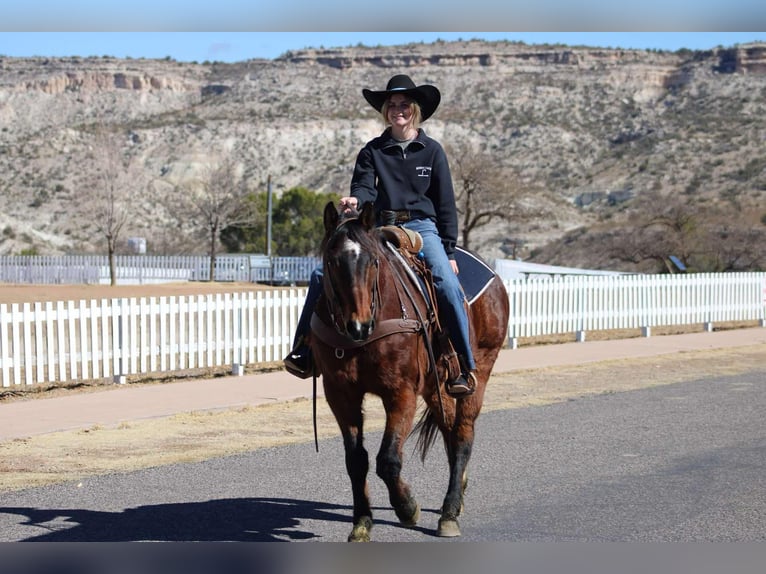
513 269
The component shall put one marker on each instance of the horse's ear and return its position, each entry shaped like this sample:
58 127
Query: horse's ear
330 217
367 216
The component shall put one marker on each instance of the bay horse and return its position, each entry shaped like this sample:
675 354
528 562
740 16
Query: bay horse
370 333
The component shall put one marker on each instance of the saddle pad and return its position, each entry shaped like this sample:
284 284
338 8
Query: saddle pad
475 275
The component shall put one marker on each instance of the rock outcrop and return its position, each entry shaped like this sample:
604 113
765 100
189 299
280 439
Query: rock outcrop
575 123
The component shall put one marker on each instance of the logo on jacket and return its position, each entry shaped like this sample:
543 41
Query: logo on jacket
423 171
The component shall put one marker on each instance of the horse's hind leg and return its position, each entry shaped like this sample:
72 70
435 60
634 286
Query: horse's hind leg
453 500
459 447
400 413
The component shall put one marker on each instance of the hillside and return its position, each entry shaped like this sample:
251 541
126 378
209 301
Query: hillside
592 131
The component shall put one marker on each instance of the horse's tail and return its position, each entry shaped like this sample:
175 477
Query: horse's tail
427 430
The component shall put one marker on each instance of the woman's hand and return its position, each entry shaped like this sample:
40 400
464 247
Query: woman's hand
347 204
454 266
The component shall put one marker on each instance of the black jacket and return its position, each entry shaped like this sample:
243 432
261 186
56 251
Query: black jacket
417 180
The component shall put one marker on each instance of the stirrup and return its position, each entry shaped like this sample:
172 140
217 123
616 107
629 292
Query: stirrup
463 386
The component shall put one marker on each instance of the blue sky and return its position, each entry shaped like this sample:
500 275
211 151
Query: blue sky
352 15
238 46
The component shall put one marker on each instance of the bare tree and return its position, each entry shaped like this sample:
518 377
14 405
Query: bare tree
216 199
107 203
734 248
661 228
703 240
485 192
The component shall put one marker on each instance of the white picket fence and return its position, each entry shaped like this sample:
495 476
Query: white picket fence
150 269
114 338
577 304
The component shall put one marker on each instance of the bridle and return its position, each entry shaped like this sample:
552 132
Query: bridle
337 335
333 301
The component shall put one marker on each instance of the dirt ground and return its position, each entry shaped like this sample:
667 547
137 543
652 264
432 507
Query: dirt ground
72 456
19 293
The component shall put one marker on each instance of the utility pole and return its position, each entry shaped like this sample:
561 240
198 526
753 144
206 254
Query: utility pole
268 228
268 216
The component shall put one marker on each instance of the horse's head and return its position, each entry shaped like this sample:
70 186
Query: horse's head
351 264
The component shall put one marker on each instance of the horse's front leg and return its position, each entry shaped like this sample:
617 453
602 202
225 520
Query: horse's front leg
357 466
348 413
400 413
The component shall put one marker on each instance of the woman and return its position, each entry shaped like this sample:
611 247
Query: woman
405 174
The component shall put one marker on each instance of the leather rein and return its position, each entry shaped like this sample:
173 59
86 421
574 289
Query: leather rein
337 337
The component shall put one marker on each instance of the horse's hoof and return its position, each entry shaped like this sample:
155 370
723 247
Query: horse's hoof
448 528
361 530
412 520
459 510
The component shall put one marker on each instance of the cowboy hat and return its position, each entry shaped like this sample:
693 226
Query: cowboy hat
427 96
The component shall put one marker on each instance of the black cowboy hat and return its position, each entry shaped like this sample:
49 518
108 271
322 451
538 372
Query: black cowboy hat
427 96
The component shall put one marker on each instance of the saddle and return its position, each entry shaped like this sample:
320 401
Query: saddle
409 242
407 245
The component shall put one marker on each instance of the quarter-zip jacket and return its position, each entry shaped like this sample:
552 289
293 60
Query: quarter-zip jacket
416 179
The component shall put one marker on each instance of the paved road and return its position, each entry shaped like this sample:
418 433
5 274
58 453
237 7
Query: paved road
683 462
135 402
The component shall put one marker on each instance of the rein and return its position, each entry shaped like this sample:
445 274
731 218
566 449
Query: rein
332 299
426 337
343 343
333 303
337 337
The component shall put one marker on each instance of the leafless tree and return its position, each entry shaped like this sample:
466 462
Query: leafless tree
702 239
734 248
484 191
660 228
107 202
214 200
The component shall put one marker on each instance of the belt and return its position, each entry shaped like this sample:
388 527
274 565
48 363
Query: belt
395 217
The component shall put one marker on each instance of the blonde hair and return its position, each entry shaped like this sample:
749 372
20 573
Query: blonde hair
416 114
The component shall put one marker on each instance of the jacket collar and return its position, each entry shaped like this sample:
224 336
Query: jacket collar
388 139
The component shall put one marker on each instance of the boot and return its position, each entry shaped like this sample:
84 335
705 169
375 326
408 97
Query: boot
462 386
298 362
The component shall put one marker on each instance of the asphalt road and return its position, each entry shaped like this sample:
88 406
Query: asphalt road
675 463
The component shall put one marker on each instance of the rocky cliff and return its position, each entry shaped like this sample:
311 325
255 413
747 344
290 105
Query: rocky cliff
592 129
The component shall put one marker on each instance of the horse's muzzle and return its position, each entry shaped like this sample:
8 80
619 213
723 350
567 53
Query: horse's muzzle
360 331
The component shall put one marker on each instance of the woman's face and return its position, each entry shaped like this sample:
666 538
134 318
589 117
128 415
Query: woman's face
399 110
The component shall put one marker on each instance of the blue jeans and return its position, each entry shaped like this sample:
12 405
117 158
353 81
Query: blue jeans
312 296
448 291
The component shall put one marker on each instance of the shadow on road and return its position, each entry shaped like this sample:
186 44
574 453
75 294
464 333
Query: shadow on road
235 520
